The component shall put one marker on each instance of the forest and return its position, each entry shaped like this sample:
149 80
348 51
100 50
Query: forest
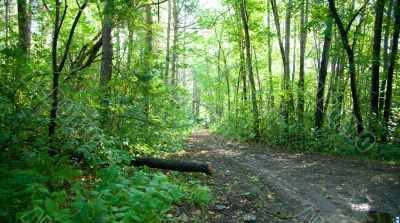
113 110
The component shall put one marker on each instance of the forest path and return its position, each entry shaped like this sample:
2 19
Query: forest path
258 184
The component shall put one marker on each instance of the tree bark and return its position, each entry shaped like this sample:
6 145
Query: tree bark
393 56
7 20
58 68
167 49
170 164
288 86
174 69
285 59
242 70
385 56
303 43
271 85
376 52
352 67
148 55
106 58
250 71
260 91
319 109
24 28
54 104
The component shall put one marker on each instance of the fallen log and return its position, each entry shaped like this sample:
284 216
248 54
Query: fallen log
170 164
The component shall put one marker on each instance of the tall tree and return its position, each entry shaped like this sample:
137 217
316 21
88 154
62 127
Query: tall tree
352 66
24 28
319 108
376 53
245 21
148 55
7 20
385 55
59 67
269 52
242 69
175 47
303 42
287 97
106 58
167 48
392 64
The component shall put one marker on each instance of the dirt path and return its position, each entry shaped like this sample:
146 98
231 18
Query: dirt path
253 184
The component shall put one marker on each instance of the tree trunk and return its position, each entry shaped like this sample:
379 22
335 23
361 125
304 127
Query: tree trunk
54 104
376 52
7 20
319 109
260 91
294 51
24 28
170 164
167 49
242 70
106 58
58 68
288 87
250 70
284 62
393 56
352 67
385 56
271 84
174 70
148 55
303 43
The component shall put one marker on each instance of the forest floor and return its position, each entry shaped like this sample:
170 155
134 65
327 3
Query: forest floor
253 183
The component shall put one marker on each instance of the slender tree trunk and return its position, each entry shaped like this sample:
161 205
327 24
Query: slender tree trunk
260 91
245 21
174 70
242 70
54 104
288 85
24 28
148 58
7 20
376 52
303 43
392 64
284 61
167 49
58 68
271 84
294 51
385 55
352 67
319 109
106 58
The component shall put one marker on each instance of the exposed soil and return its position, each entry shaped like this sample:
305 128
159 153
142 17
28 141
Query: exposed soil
254 183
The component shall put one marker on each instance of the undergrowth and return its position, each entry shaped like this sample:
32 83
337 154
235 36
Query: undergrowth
330 140
41 188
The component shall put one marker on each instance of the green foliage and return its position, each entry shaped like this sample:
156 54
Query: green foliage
64 193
